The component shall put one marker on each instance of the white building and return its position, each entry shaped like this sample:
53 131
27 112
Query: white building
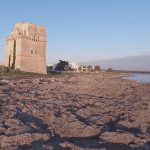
74 66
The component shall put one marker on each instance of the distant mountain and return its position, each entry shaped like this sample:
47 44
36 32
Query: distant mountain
136 63
1 62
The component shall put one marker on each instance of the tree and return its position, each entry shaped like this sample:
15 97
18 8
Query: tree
9 61
61 65
109 69
66 68
97 68
90 68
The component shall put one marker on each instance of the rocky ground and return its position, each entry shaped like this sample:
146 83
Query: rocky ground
92 111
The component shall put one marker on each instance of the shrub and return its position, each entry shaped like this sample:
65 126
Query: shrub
18 70
14 55
109 70
4 69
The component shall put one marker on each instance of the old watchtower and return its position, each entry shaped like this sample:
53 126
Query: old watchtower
26 48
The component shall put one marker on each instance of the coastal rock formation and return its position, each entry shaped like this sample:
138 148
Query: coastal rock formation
26 48
95 111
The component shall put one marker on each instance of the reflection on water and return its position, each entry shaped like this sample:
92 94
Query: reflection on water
139 77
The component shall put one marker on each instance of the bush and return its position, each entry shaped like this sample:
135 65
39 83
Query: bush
4 69
18 70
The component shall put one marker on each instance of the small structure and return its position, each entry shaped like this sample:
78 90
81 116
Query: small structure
26 48
74 66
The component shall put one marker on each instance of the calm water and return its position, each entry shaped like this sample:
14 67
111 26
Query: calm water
139 77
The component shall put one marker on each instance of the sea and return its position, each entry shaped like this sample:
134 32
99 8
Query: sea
139 77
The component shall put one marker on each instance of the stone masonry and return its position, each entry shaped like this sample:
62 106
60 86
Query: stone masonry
26 48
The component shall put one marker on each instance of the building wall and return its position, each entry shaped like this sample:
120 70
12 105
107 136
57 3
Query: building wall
30 48
33 56
9 51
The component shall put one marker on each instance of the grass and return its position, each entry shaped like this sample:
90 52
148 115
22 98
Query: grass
20 75
14 75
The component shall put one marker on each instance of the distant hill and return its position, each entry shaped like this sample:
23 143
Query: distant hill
137 63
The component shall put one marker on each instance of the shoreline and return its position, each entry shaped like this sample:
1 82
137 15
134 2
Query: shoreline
132 72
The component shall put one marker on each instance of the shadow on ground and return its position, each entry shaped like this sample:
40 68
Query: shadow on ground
56 142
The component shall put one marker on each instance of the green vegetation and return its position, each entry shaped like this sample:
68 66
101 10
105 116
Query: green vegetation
62 66
8 72
14 55
9 60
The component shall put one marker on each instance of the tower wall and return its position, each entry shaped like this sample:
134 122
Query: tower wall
30 50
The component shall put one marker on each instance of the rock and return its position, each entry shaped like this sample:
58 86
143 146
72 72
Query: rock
22 139
4 82
89 111
12 84
12 122
2 130
1 91
15 130
115 137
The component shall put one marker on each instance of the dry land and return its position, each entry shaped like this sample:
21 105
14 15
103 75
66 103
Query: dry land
82 111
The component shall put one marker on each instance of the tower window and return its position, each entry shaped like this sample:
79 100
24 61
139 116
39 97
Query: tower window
31 51
24 32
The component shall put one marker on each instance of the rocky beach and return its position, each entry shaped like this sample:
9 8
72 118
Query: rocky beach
84 111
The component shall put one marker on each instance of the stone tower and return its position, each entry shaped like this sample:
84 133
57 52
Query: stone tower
26 48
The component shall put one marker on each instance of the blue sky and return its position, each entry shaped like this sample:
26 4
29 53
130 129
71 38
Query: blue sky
82 30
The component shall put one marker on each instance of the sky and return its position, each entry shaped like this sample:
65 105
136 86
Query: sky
82 30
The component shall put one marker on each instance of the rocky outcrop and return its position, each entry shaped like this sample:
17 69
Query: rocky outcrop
92 111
